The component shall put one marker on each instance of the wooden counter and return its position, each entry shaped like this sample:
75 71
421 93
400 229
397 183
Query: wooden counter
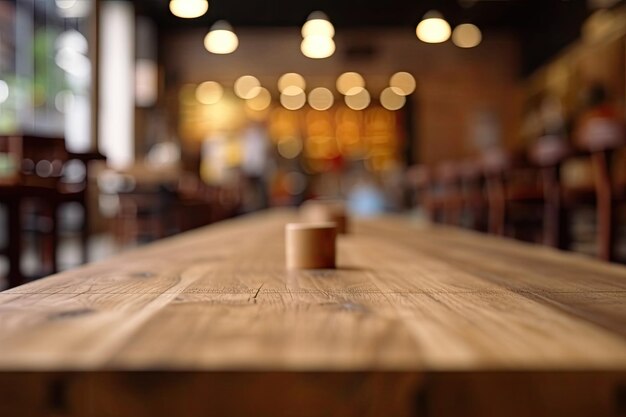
417 320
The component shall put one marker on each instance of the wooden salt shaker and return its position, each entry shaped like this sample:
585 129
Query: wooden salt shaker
310 245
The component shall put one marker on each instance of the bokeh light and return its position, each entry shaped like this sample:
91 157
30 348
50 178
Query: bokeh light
291 79
209 92
433 28
293 98
392 98
189 9
321 98
4 91
358 98
261 101
403 82
318 24
317 46
289 147
221 39
349 81
247 87
466 35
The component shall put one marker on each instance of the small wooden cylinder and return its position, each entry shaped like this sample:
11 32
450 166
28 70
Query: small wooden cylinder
326 211
310 245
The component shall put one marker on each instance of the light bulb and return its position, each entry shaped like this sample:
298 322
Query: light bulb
317 46
433 28
221 39
189 9
318 24
466 36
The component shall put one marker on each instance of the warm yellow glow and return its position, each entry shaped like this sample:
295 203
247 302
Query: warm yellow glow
261 102
292 90
403 83
318 24
289 147
392 98
348 81
292 101
221 39
189 9
317 46
358 98
433 28
291 79
466 36
209 92
247 87
321 98
187 94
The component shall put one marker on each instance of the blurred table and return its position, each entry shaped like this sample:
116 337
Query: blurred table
418 320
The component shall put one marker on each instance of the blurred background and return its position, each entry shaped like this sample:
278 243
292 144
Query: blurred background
122 122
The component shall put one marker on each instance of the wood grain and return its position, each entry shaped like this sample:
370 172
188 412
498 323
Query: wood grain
409 301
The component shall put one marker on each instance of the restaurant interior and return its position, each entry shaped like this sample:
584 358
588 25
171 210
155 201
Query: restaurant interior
362 208
124 122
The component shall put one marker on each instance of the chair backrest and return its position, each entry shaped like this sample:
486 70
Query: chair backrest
10 157
43 156
495 161
549 151
602 133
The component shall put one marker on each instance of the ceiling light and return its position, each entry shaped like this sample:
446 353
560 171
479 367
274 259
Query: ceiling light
321 98
247 87
433 28
72 39
292 90
291 79
72 8
403 82
318 24
293 101
221 39
392 98
189 9
358 99
349 81
209 92
261 102
317 46
466 36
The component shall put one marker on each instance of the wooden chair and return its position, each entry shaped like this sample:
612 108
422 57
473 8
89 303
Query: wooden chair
40 187
514 194
419 180
448 198
32 200
549 154
473 199
601 138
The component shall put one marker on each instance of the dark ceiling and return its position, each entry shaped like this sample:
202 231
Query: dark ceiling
543 26
501 14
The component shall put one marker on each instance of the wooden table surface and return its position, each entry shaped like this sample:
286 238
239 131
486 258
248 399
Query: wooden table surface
410 306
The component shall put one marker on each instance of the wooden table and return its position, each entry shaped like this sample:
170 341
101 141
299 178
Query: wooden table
418 320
